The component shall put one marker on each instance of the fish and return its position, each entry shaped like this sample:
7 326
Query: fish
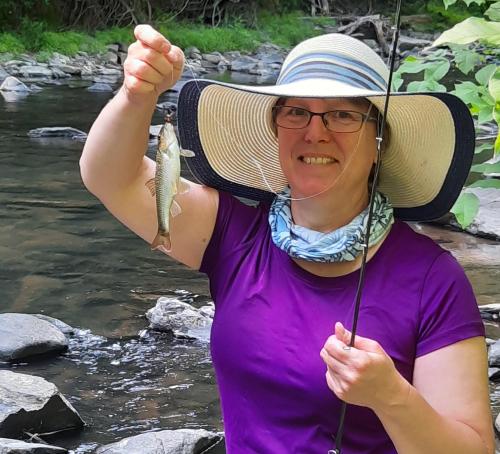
167 182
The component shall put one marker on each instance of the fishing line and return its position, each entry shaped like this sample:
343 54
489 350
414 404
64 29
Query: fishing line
359 291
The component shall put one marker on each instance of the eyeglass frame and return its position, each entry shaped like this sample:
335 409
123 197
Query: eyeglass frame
365 118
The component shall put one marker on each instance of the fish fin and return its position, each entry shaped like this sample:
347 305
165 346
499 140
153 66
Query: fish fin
175 209
183 187
162 242
150 184
187 153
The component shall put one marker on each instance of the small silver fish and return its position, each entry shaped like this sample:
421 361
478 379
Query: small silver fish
167 182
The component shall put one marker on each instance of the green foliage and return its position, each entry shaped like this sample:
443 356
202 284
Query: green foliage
493 12
11 43
470 30
466 208
115 35
69 43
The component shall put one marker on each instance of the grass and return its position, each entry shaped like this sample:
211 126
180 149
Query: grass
286 30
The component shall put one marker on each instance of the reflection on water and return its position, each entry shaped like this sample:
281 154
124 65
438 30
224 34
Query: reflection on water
63 255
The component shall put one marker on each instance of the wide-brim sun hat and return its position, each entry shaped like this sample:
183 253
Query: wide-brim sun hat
229 127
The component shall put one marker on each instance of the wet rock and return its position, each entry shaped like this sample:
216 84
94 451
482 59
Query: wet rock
193 53
35 71
487 220
270 53
32 404
213 57
100 87
13 84
409 43
497 424
3 74
57 131
494 354
154 131
494 373
60 325
24 335
35 87
109 71
10 446
68 69
244 63
181 441
180 318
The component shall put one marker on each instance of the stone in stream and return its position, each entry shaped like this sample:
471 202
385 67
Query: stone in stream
487 220
180 318
494 373
32 404
13 84
10 446
494 354
58 131
181 441
24 335
100 87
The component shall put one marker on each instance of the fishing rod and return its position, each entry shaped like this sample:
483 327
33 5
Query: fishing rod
359 291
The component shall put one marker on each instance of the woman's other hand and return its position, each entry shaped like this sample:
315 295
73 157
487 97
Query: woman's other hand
153 64
364 374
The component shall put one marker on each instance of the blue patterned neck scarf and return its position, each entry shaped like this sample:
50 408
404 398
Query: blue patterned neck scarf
341 245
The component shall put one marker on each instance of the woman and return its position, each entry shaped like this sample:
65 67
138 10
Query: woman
283 275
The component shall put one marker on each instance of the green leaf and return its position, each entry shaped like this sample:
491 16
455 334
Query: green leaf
470 2
493 12
485 115
437 71
470 30
468 92
449 3
486 168
425 85
494 86
490 183
483 147
484 75
465 59
465 209
497 144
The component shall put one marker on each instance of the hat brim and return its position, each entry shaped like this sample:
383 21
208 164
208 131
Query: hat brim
424 166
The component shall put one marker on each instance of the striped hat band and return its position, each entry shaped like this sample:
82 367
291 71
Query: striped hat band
333 66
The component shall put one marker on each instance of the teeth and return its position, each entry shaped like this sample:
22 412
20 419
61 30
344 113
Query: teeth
309 160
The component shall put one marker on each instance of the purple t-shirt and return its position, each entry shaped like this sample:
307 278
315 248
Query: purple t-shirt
272 318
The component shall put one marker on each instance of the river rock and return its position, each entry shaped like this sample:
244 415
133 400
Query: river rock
494 354
32 404
109 71
180 318
3 74
57 131
181 441
68 69
61 326
409 43
13 84
10 446
494 373
213 57
35 71
99 86
193 53
270 53
24 335
244 63
487 220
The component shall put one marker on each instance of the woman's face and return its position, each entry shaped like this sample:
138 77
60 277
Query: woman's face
315 159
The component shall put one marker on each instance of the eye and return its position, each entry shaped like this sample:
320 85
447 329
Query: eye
296 112
344 115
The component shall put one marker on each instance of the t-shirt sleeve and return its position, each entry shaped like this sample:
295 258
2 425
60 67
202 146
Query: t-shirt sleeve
234 226
448 307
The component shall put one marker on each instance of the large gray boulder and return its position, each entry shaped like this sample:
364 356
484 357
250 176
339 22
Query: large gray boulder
11 83
182 441
9 446
24 335
32 404
57 131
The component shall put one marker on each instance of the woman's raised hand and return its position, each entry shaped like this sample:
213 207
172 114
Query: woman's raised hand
364 374
153 64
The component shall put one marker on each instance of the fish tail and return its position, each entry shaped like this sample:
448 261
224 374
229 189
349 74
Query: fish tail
162 241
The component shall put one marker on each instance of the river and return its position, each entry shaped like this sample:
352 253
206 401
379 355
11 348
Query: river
63 255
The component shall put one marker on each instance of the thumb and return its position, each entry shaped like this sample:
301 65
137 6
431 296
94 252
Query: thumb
361 343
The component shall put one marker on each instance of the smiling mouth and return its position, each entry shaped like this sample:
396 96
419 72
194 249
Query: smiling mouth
317 160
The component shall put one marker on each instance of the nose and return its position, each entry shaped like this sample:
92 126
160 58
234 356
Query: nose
316 131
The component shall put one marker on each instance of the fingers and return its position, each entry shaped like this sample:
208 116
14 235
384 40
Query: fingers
153 64
152 38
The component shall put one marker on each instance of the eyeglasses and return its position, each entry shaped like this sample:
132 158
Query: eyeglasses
290 117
